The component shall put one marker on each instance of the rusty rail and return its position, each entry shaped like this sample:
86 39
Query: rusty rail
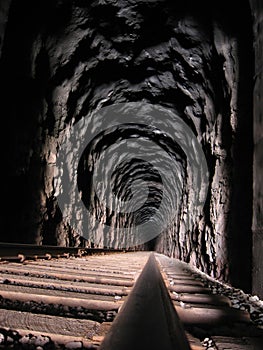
21 252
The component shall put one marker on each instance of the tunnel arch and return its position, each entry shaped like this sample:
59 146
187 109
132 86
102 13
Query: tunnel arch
75 60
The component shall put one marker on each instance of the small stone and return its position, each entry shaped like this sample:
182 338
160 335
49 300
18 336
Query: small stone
42 340
253 298
9 339
24 339
117 297
182 304
15 335
74 345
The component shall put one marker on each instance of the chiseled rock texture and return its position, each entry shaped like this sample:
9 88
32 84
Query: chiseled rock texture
257 221
61 60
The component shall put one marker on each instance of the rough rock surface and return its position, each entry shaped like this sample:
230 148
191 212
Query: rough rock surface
63 60
257 224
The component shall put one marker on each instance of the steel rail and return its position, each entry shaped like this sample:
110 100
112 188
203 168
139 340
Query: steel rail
21 252
147 319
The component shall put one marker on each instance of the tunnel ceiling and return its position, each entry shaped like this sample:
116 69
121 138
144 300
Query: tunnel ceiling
169 80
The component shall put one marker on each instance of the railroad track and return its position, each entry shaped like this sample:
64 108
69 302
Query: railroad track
113 300
21 252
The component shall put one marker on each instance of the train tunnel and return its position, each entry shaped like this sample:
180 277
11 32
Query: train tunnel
135 124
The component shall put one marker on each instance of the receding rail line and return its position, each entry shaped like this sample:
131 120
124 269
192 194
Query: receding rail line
147 319
21 252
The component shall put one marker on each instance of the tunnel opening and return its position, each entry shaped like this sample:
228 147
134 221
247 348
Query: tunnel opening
198 69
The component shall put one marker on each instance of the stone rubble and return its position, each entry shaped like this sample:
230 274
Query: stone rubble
11 339
239 300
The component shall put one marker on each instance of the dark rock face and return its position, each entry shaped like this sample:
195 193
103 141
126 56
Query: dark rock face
257 224
63 60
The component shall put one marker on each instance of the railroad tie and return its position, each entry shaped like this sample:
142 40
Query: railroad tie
115 301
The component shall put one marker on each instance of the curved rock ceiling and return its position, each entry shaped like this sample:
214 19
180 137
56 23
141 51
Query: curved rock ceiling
161 68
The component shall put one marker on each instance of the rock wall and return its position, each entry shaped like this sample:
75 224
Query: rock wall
257 225
64 60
